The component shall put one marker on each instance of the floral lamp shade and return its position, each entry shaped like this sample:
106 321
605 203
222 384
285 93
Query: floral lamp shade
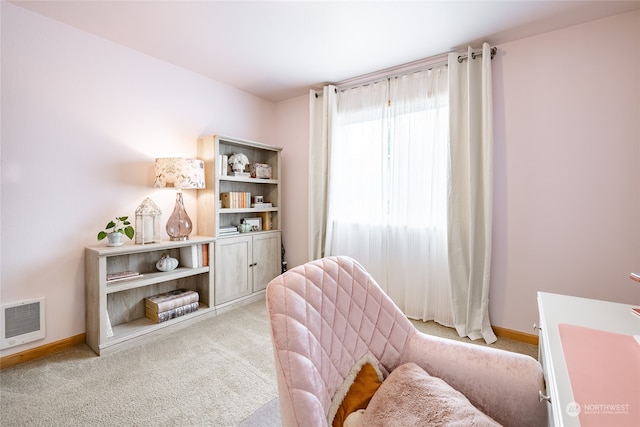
174 172
182 174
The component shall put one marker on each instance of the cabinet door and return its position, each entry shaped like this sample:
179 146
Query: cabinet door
266 259
233 275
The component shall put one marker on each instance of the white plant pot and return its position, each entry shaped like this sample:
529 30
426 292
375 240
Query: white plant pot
115 239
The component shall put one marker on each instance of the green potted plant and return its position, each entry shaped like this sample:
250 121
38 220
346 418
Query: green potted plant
115 229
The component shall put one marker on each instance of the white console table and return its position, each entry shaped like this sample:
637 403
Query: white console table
556 309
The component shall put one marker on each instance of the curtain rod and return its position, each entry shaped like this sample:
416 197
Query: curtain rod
410 67
386 73
474 55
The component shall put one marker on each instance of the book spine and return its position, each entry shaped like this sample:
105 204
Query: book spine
171 304
222 165
189 256
235 199
205 255
173 313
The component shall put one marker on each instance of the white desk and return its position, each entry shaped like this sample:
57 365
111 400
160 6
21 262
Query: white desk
555 309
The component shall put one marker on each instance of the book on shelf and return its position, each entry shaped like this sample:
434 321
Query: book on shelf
122 275
261 205
163 316
223 165
235 199
170 300
194 256
204 251
189 256
228 230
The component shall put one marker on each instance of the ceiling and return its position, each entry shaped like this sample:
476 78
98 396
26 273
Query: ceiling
277 50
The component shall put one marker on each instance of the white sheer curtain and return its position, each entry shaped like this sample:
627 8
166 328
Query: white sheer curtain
471 193
388 188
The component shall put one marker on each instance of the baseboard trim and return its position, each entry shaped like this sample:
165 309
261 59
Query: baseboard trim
515 335
47 349
43 350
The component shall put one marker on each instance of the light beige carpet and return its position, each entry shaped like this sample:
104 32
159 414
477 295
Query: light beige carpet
217 372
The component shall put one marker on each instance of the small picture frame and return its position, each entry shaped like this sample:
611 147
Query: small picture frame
256 223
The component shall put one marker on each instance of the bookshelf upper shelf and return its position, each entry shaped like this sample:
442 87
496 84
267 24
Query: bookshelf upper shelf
131 247
247 179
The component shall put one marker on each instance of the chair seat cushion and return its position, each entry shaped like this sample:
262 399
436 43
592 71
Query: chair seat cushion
411 397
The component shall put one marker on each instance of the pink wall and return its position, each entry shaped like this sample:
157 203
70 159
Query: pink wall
82 121
567 167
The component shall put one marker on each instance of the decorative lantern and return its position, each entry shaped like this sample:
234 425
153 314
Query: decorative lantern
147 222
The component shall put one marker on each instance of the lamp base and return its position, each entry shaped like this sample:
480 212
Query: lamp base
179 225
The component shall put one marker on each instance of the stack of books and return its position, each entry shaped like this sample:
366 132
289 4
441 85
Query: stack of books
228 230
261 205
172 304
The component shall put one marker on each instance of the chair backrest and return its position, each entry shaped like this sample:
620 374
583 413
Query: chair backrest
325 316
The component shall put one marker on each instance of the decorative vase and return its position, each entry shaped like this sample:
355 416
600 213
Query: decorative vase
179 225
115 239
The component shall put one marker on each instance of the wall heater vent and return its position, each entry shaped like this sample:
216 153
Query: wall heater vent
22 322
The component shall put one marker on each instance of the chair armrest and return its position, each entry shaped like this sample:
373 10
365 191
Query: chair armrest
502 384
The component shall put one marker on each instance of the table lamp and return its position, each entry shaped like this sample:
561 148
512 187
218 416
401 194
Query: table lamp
181 174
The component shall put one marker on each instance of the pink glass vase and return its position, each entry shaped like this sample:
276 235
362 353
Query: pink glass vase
179 225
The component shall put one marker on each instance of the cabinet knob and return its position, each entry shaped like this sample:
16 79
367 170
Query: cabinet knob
543 397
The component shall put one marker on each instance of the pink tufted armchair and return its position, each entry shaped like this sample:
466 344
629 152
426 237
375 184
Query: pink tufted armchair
327 314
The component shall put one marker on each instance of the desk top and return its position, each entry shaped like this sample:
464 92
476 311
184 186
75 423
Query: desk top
561 309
